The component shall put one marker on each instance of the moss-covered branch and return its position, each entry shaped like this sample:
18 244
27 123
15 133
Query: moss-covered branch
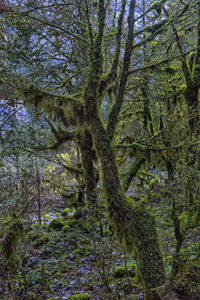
159 63
91 38
151 147
111 76
61 136
132 171
51 24
185 66
51 104
179 240
152 28
159 27
113 116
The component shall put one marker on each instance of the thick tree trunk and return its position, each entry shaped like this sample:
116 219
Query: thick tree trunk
132 222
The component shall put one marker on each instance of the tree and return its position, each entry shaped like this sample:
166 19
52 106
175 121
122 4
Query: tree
71 85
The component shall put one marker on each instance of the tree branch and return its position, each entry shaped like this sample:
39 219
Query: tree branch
113 72
164 61
113 116
132 171
51 104
45 22
60 136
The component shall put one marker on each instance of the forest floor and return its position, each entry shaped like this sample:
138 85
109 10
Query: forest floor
68 257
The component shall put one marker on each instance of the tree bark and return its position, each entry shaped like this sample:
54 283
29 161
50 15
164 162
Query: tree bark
133 224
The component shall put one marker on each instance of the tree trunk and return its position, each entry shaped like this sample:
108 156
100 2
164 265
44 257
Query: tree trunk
132 222
90 173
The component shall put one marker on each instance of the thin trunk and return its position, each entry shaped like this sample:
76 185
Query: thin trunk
38 192
90 173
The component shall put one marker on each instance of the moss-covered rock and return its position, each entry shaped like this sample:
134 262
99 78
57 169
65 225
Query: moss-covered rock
121 271
65 212
83 296
43 239
56 224
33 235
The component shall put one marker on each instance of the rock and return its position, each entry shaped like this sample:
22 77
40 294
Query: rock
83 296
56 224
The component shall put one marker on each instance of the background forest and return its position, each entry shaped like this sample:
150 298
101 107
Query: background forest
99 156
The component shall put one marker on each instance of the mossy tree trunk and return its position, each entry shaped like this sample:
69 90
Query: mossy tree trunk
133 224
90 173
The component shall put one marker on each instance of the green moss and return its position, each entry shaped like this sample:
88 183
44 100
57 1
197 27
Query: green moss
66 228
80 297
41 240
36 226
56 224
121 271
126 287
78 252
187 282
12 232
46 216
33 235
65 212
